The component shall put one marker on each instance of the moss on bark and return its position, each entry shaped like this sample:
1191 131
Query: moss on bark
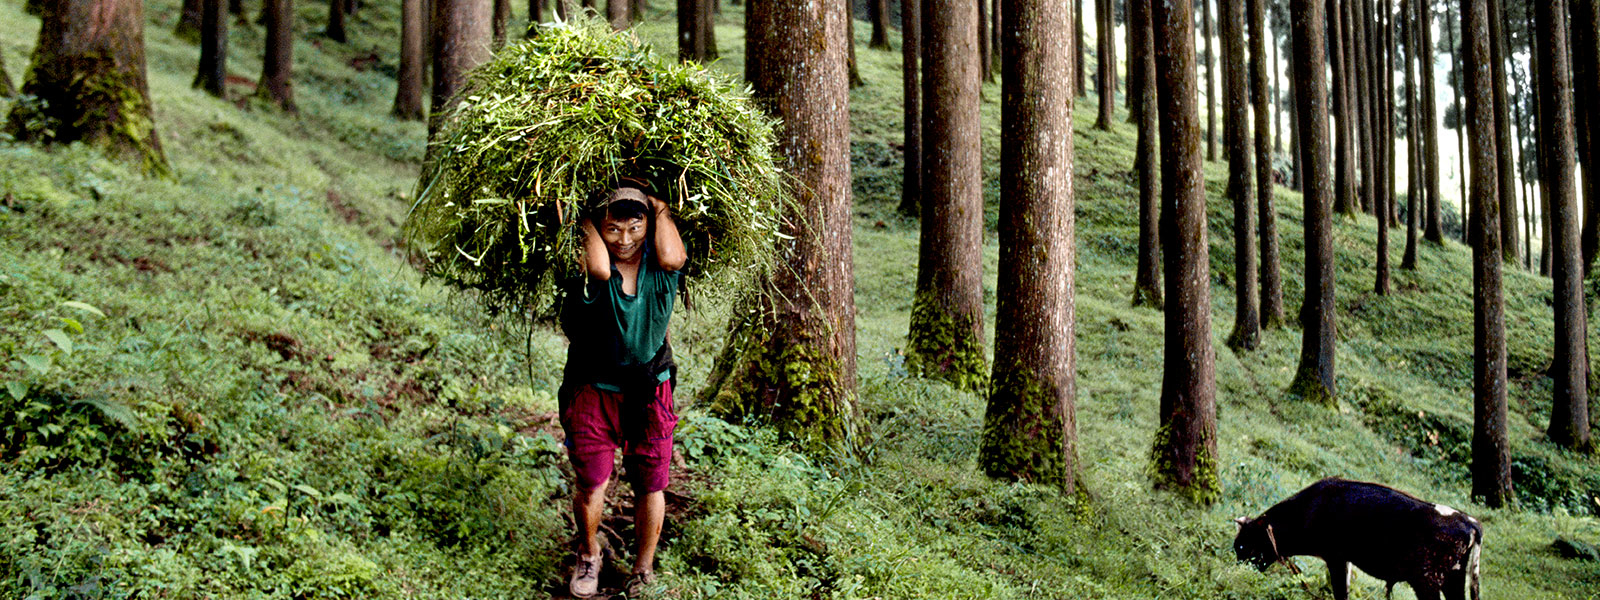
942 346
1024 437
1308 386
788 386
1203 486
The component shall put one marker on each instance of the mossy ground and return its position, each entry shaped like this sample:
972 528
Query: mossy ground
273 406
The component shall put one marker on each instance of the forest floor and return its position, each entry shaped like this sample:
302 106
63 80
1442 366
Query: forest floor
266 401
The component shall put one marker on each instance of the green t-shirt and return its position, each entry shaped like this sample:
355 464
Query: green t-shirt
624 330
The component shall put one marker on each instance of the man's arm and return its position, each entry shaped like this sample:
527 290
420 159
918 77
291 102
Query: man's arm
595 257
670 255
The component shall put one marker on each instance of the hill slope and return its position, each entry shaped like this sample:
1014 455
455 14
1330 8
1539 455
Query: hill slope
273 405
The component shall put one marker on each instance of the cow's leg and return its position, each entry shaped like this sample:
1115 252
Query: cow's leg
1388 590
1339 578
1455 585
1425 590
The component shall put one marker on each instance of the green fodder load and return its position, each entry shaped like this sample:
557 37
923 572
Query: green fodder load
549 121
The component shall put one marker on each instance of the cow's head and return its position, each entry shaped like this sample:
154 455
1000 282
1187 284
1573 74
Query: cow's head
1254 543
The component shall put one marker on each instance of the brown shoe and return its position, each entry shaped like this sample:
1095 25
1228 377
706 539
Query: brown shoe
585 576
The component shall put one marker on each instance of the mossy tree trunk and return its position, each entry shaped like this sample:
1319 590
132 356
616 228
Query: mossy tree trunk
277 65
850 46
792 363
1146 161
1569 415
1585 29
335 30
1314 376
213 72
1184 453
461 36
910 49
1030 428
1271 277
408 84
1491 457
1378 72
1241 187
1105 64
1343 181
880 24
88 76
1433 226
946 335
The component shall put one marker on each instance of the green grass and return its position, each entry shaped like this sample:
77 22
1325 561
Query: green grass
274 405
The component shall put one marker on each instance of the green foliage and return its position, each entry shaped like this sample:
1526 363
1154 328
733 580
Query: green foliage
548 122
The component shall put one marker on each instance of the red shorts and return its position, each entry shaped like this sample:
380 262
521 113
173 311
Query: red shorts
595 423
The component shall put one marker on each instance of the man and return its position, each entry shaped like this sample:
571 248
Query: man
617 387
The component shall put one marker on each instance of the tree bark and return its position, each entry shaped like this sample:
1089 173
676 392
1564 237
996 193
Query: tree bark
910 49
1211 82
1433 229
880 25
850 44
1413 138
1030 427
335 30
408 79
1277 92
276 67
708 28
985 54
1080 68
1456 79
6 88
1491 457
1569 415
1105 70
1271 294
1185 446
1382 142
616 13
213 72
1509 250
946 336
1295 155
535 16
461 35
1586 81
691 38
1147 275
1361 80
88 71
1241 186
190 16
1314 377
806 313
1347 111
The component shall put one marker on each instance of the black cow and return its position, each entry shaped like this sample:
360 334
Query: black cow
1389 534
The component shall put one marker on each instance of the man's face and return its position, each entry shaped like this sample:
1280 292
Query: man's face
623 237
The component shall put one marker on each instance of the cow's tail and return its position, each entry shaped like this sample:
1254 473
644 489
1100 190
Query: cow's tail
1474 554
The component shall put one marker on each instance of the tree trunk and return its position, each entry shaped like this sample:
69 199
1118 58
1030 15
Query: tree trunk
880 25
461 35
850 44
535 16
985 57
1433 227
408 79
1277 91
278 63
1586 81
691 38
1241 186
1413 137
1509 251
236 7
88 73
1080 70
1314 377
616 13
910 48
1185 446
1271 294
805 320
708 28
501 16
1461 139
1295 155
1569 415
1105 74
189 20
1491 456
1147 276
213 71
1211 82
1382 143
6 89
1360 53
335 30
1030 428
946 337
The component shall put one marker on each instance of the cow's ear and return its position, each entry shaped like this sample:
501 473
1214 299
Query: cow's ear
1241 522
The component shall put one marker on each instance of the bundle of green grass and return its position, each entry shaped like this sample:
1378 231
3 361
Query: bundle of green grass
547 123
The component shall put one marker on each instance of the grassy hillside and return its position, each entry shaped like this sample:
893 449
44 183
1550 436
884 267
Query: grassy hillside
267 402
